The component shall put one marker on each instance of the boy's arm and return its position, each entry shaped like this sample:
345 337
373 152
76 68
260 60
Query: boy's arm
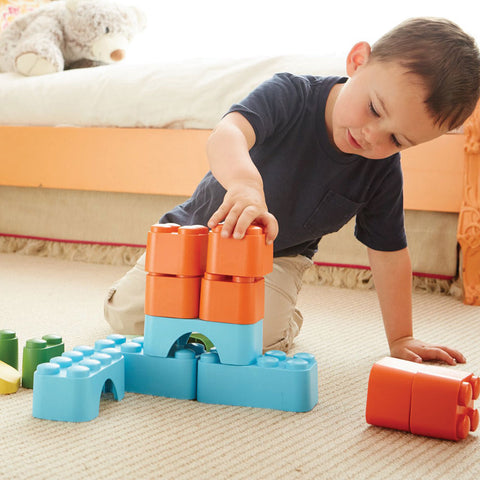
392 274
244 202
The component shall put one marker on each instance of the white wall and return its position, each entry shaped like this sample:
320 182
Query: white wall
182 29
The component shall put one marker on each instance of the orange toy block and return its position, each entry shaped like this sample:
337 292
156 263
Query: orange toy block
228 299
175 250
423 399
390 393
443 405
249 257
171 296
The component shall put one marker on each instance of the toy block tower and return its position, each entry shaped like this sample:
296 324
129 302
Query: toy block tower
211 285
229 302
422 399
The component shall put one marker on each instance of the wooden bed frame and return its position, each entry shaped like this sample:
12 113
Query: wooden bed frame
439 176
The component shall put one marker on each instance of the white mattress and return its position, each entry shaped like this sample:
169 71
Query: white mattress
194 94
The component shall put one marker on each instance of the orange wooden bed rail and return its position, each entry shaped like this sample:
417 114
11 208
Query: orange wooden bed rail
172 162
131 160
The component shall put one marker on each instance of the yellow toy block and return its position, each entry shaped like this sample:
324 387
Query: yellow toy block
9 379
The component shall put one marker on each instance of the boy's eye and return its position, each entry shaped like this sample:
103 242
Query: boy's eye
395 141
372 109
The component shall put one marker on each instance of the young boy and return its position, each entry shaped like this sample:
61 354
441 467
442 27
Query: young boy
301 155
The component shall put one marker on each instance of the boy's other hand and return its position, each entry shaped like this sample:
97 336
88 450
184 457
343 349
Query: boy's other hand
244 205
409 348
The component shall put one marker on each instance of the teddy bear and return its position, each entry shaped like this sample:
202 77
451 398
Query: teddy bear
68 34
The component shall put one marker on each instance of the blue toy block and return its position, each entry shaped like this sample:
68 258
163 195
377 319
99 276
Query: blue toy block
69 387
274 381
236 344
174 376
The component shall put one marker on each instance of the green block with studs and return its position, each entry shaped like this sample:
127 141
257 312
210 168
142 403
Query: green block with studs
37 351
9 348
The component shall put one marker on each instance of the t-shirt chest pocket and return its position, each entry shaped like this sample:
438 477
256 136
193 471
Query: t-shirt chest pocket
331 214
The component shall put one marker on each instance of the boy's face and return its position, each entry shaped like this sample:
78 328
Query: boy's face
380 110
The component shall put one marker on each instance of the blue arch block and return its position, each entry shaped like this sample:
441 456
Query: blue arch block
174 376
236 344
69 387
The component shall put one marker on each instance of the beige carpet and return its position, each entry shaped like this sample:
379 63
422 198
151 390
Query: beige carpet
145 437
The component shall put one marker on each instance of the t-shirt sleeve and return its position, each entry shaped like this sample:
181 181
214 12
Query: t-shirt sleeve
274 104
380 225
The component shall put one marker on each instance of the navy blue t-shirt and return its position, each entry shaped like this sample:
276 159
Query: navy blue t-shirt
310 187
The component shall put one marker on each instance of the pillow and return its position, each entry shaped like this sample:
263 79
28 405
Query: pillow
9 9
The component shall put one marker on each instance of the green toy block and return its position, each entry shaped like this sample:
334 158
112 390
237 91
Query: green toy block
9 348
37 351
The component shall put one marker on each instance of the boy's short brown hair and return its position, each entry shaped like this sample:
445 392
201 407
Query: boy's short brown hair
447 60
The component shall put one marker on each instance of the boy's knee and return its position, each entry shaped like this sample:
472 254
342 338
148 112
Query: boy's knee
124 303
282 320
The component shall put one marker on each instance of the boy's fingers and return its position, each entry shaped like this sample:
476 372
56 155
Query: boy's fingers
245 219
230 223
218 216
442 354
271 227
410 356
455 354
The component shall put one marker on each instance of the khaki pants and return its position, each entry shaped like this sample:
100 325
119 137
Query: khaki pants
124 303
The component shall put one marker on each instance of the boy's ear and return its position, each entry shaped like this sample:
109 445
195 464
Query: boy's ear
358 56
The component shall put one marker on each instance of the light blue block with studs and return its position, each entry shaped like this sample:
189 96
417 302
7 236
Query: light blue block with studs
69 387
174 376
236 344
274 381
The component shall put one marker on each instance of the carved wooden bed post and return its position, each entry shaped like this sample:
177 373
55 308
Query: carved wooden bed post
469 221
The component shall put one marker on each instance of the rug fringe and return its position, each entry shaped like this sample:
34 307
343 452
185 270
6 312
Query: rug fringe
352 278
362 279
81 252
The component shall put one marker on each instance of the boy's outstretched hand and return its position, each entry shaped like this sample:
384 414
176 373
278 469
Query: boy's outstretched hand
409 348
244 205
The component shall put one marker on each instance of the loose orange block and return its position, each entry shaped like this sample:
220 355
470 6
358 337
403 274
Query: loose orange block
171 296
175 250
249 257
443 406
423 399
238 300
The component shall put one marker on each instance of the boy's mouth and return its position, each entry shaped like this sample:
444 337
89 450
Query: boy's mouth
352 140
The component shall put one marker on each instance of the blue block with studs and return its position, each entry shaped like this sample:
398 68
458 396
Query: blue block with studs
274 381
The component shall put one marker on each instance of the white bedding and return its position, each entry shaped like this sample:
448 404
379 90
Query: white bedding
163 95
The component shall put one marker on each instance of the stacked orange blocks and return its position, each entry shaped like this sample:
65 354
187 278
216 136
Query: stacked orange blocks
175 264
194 273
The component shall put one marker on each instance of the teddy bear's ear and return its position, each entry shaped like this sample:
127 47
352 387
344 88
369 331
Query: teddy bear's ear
141 18
72 4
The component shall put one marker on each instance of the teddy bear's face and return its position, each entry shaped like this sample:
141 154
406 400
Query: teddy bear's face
102 32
